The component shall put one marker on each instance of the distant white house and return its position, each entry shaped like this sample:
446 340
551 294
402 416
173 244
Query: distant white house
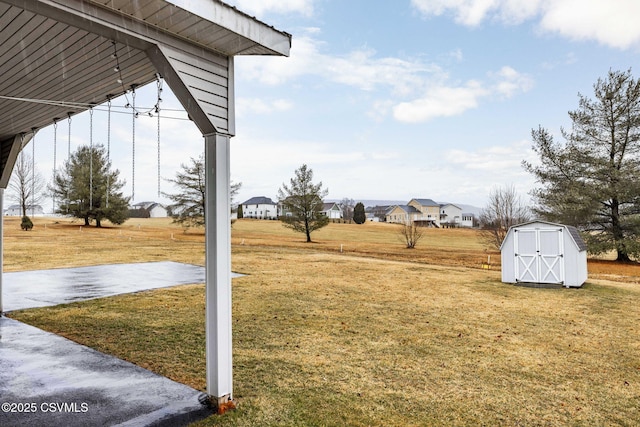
260 207
155 210
467 219
372 217
329 209
332 210
450 215
16 210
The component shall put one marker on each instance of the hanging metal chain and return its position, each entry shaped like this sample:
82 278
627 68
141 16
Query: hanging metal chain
159 83
108 150
55 151
33 171
69 163
69 140
133 143
90 159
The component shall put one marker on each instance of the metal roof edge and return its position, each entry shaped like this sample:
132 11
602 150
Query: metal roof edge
220 13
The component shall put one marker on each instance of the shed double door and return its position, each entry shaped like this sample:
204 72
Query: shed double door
539 255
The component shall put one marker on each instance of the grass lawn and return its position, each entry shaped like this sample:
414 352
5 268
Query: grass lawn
375 335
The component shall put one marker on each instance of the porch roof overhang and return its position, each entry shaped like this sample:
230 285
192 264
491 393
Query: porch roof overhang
61 52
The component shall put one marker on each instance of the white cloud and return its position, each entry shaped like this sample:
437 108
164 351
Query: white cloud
466 12
260 106
402 78
443 100
303 7
496 159
440 101
359 68
613 23
509 82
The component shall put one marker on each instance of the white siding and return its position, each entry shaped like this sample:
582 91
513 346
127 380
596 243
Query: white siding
541 252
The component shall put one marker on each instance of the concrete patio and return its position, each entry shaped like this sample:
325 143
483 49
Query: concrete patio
48 380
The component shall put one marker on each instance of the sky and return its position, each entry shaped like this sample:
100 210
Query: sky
386 100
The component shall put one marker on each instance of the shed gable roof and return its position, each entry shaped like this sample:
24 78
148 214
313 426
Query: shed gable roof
572 231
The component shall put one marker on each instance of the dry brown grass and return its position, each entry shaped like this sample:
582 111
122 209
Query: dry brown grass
460 246
376 335
61 243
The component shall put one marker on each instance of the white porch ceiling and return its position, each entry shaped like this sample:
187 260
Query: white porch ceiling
63 50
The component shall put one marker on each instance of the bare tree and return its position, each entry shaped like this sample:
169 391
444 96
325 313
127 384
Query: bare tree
410 234
505 209
347 206
26 184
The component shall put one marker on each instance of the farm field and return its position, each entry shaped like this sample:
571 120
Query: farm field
373 335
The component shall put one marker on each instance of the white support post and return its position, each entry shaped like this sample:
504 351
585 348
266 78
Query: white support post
218 270
1 244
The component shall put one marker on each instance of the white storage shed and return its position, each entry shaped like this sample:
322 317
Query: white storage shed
544 252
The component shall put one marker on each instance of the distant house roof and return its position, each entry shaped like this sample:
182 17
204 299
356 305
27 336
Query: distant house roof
426 202
406 208
327 206
29 207
260 200
144 205
442 205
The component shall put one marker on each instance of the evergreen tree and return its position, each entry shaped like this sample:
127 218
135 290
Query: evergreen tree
88 189
189 203
592 181
359 215
302 201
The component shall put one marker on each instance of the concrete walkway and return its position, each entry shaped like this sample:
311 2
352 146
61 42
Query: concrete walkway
47 380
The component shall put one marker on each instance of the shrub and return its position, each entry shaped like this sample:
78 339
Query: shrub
26 223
